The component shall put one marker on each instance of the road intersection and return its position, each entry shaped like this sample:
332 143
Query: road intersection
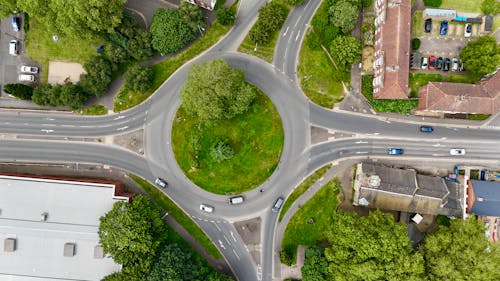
373 135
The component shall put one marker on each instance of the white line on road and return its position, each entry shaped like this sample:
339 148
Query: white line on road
436 145
122 128
361 152
298 20
286 31
308 4
47 131
217 227
119 117
443 138
238 257
232 235
297 37
50 119
222 245
49 125
435 154
227 240
358 142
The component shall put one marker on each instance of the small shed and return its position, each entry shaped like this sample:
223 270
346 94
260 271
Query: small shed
440 13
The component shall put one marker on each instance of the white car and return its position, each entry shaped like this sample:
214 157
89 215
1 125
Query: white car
29 69
457 151
454 64
468 30
424 63
26 77
206 208
161 182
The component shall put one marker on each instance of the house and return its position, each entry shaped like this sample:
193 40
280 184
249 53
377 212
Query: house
207 4
443 97
386 188
48 227
392 49
483 198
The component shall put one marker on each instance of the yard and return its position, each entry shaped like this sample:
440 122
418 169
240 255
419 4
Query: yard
380 105
469 6
418 24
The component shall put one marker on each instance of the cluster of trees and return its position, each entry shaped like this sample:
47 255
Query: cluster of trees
374 247
173 29
226 16
481 56
490 7
214 91
271 18
433 3
18 90
137 238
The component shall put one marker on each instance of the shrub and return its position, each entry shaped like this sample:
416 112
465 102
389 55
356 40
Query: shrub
221 151
367 3
271 18
295 2
99 74
490 7
169 31
18 90
226 16
287 256
115 53
433 3
138 78
415 44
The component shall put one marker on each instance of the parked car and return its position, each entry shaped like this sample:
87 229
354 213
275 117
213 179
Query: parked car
277 204
457 151
446 65
432 62
468 30
454 64
161 182
26 78
395 151
426 129
424 63
206 208
444 27
13 48
439 63
428 25
29 69
15 24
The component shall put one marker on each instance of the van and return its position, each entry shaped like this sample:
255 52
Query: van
277 205
13 48
236 200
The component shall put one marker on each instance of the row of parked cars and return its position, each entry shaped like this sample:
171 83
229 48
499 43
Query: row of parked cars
445 64
444 28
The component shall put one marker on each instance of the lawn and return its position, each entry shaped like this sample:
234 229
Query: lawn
182 218
496 24
470 6
95 109
41 48
308 225
319 80
162 71
255 136
418 24
418 80
478 116
303 187
379 105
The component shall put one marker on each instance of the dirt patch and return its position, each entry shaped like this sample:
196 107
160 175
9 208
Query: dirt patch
367 58
133 141
61 72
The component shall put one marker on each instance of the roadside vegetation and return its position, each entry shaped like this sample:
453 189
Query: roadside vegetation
479 117
470 6
95 109
302 188
418 24
380 105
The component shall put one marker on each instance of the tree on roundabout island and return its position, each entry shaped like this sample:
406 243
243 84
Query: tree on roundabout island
227 136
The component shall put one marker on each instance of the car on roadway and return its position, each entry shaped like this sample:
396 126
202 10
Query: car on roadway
444 27
395 151
428 25
454 64
426 129
29 69
26 78
235 200
457 151
468 30
424 63
439 63
206 208
15 24
161 182
432 62
278 204
446 65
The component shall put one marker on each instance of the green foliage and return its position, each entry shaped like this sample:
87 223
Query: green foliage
287 255
345 51
169 31
322 31
433 3
214 91
344 15
271 18
366 3
259 34
315 265
461 252
373 247
72 95
490 7
99 73
19 90
481 56
192 16
115 53
295 2
69 94
139 78
226 16
379 105
443 220
415 44
131 37
222 151
7 7
95 109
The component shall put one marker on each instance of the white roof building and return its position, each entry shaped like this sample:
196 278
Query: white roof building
48 228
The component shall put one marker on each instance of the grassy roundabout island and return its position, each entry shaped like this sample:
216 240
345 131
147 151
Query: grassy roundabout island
226 155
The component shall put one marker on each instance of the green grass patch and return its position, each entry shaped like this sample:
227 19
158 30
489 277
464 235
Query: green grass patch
41 48
496 24
418 24
458 78
265 52
303 187
320 81
471 6
182 218
162 71
307 227
379 105
255 136
478 116
95 109
418 80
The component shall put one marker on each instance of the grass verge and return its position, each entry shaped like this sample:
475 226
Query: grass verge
307 227
418 80
496 24
379 105
471 6
255 136
303 187
169 206
41 48
161 71
478 116
95 109
418 24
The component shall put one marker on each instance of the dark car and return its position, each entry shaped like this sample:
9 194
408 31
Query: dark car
428 25
15 24
444 27
426 129
447 63
439 63
432 62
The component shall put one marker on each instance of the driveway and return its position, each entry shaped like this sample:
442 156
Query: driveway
442 46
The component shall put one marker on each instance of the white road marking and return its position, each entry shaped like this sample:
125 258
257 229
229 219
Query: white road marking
286 31
308 4
232 235
437 145
122 128
361 152
435 154
217 227
227 240
222 245
47 131
238 257
443 138
119 117
297 37
358 142
50 119
298 20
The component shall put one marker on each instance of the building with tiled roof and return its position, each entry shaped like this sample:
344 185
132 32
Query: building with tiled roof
392 49
480 98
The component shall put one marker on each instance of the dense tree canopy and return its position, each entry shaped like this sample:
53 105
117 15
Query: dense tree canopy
315 265
19 90
68 94
191 14
99 74
271 18
226 16
139 78
481 56
214 91
345 50
490 7
344 15
6 7
169 31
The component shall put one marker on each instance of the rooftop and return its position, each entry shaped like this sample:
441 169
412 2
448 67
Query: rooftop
486 200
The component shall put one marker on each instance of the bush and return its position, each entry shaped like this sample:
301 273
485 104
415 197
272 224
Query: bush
433 3
221 151
18 90
287 256
415 44
115 53
138 78
490 7
367 3
99 75
295 2
271 18
226 16
169 31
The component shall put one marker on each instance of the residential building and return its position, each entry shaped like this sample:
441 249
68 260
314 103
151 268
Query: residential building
392 49
49 228
207 4
483 200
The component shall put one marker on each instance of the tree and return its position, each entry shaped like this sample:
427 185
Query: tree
490 7
272 15
138 78
6 7
72 95
259 34
214 90
139 47
295 2
315 265
226 16
41 94
461 252
98 76
372 247
345 50
481 56
169 31
131 233
19 90
222 151
191 14
115 53
433 3
344 15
